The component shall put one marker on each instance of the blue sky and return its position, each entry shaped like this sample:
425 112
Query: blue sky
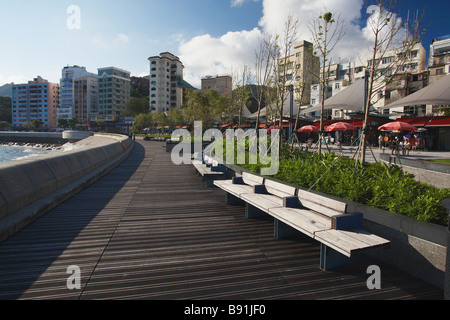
210 36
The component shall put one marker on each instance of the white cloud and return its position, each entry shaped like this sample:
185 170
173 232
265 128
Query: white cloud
305 11
205 55
240 3
119 40
237 3
123 38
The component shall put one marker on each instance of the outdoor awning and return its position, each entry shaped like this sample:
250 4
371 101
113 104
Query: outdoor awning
286 109
350 98
442 122
437 93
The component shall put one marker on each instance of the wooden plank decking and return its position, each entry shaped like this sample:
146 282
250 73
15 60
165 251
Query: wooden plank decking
152 230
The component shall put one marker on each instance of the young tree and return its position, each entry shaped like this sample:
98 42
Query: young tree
136 106
263 73
327 30
142 121
282 65
175 118
241 94
203 106
390 34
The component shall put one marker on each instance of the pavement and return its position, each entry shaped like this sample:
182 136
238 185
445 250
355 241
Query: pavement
373 153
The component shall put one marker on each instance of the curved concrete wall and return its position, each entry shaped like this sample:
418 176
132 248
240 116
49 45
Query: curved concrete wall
24 182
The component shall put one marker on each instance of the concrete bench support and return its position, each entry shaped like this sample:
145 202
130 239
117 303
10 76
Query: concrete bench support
331 259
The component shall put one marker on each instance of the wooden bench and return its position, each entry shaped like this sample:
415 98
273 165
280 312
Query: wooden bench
208 168
238 186
295 211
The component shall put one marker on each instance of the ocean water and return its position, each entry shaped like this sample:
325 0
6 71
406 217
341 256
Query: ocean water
13 153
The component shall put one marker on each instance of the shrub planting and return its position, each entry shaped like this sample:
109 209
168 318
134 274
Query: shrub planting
372 184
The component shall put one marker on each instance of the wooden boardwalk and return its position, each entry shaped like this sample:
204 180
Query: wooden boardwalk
152 230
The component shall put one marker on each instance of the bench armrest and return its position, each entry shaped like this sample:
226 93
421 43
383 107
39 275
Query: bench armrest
237 180
291 202
260 188
347 221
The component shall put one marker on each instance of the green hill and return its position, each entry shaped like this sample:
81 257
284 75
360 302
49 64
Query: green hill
6 90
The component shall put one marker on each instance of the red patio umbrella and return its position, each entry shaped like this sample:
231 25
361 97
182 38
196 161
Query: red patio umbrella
340 126
397 125
308 129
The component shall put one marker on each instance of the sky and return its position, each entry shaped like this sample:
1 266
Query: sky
211 37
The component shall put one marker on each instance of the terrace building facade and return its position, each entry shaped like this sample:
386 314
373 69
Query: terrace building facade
407 71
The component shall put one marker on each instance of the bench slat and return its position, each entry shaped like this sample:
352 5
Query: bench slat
319 208
262 201
234 189
251 179
305 221
365 237
322 200
347 242
204 170
338 241
279 189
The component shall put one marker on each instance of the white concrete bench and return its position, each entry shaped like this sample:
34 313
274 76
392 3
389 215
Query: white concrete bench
297 211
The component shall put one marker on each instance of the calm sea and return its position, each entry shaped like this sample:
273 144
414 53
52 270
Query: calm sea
12 153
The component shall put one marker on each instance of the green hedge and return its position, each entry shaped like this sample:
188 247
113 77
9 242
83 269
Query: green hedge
376 185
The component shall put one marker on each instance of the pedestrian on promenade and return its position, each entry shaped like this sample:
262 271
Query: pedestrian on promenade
380 141
386 141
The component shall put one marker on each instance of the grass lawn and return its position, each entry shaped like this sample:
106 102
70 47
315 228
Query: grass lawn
442 161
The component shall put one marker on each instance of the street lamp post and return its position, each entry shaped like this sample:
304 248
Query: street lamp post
291 112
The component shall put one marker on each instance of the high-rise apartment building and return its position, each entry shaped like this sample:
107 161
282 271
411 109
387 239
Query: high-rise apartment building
78 94
166 82
36 100
113 93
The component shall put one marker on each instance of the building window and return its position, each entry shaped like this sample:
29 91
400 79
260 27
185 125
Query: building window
386 60
440 71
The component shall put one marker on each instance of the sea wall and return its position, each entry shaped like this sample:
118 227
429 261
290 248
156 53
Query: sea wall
33 137
29 188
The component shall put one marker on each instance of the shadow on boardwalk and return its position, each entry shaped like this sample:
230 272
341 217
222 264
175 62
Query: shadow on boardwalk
152 230
38 248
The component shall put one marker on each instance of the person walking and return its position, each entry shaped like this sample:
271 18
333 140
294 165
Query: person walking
380 141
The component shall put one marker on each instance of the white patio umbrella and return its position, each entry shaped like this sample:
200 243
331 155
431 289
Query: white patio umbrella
437 93
350 98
